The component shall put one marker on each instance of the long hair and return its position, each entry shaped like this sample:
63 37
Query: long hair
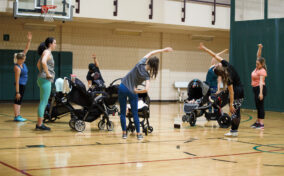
261 60
44 45
223 72
153 62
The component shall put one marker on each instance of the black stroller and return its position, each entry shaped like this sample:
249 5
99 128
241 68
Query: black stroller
199 102
143 113
94 104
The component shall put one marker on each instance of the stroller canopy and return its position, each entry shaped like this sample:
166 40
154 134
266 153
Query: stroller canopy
197 89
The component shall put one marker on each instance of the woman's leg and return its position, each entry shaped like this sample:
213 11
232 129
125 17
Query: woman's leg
17 105
122 98
45 89
133 99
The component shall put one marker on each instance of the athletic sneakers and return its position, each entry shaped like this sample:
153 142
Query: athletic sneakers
139 136
255 125
42 127
124 136
232 134
260 126
19 119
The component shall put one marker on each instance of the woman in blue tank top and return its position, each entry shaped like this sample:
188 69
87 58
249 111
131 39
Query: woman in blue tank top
21 79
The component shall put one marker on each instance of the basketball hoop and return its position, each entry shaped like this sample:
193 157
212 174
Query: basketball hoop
48 12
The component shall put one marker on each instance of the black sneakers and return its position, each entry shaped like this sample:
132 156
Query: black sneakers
255 125
42 127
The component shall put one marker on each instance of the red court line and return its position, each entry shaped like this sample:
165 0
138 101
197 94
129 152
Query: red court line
150 161
18 170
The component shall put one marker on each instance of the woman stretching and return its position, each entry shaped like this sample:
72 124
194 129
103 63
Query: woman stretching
230 78
21 79
145 69
259 88
46 76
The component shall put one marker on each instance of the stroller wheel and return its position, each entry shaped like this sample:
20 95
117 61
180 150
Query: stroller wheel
72 124
224 121
110 126
80 125
101 125
184 118
192 119
150 129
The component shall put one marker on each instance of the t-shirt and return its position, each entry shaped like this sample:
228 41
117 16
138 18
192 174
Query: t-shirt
95 75
211 78
255 76
234 80
136 76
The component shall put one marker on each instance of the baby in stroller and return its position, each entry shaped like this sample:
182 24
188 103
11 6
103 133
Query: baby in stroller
143 113
94 105
199 102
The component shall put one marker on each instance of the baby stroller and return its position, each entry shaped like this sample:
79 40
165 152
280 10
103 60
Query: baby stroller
94 105
58 104
199 102
143 113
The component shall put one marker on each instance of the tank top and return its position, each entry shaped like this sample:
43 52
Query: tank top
50 67
24 74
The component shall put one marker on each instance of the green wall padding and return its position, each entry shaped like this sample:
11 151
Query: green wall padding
7 77
245 35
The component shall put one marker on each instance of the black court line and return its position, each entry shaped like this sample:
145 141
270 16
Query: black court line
273 165
95 144
189 153
224 160
255 144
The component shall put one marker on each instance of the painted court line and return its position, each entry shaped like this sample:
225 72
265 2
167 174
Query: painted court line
149 161
18 170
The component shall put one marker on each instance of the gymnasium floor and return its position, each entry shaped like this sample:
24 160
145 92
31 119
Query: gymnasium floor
200 150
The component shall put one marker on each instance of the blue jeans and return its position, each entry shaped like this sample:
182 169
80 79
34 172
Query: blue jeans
123 93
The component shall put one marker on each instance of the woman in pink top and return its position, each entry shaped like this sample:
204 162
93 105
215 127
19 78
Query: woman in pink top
259 88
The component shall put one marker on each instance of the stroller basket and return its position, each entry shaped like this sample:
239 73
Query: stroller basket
189 107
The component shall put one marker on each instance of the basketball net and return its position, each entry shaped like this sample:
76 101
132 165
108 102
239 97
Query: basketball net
48 12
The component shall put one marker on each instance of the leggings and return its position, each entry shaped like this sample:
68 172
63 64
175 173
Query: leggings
123 93
21 91
45 89
236 117
259 103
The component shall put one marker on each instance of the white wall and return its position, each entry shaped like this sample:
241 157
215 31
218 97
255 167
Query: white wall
165 12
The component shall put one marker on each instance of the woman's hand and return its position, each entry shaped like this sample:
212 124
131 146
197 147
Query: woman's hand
260 45
29 36
168 49
232 109
48 75
94 56
260 96
18 96
201 46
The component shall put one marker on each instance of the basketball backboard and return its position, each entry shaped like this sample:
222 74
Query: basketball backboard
33 9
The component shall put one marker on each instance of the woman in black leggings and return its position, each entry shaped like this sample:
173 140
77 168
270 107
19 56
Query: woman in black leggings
232 80
259 88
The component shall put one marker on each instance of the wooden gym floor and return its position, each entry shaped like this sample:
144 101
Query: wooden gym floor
200 150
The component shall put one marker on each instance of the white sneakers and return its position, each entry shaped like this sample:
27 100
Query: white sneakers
231 134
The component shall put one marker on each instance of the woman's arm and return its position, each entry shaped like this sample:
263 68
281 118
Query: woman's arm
29 37
44 60
17 71
216 56
261 88
95 60
168 49
219 82
147 86
231 92
89 83
213 59
258 54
